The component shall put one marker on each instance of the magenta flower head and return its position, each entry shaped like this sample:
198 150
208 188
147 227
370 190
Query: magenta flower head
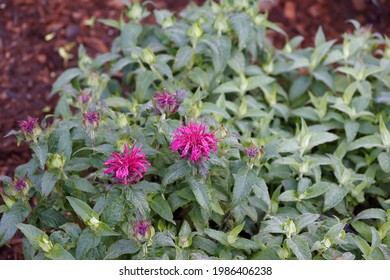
29 126
129 167
91 119
165 103
193 141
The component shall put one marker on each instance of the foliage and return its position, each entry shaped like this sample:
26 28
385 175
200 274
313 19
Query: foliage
291 159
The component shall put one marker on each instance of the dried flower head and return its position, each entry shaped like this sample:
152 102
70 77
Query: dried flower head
165 103
129 167
193 141
91 119
29 125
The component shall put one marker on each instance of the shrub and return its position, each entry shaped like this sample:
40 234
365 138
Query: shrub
195 138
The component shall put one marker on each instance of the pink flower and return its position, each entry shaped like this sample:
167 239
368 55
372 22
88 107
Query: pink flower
194 140
129 167
85 97
28 126
252 151
142 230
165 103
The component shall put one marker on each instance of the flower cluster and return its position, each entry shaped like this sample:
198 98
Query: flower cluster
91 119
129 167
193 141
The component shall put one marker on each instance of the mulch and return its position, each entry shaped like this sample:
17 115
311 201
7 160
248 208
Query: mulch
30 60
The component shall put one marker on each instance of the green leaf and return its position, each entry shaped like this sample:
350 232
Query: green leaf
33 234
176 171
258 82
372 213
304 220
242 26
87 241
367 142
49 179
122 247
82 209
231 86
211 108
81 184
321 138
139 200
129 35
162 208
110 22
290 195
65 78
217 235
243 185
40 150
201 192
334 196
362 245
59 253
143 81
384 161
183 57
104 230
220 50
351 129
300 247
232 236
118 102
316 190
17 214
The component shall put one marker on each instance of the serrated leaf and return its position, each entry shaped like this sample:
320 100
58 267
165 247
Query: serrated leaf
40 150
49 179
201 192
65 78
176 171
316 190
220 50
384 161
82 209
17 214
242 25
217 235
183 57
334 195
122 247
59 253
139 200
367 142
304 220
300 247
372 213
290 195
33 234
243 185
162 208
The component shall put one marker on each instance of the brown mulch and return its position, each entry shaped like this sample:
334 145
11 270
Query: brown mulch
30 63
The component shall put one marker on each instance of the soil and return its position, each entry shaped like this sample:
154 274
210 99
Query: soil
30 60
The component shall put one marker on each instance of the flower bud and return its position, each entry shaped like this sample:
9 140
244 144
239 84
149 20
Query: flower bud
122 121
21 185
148 56
290 228
45 244
8 201
56 161
30 128
135 12
143 230
93 223
195 31
91 119
220 24
165 103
